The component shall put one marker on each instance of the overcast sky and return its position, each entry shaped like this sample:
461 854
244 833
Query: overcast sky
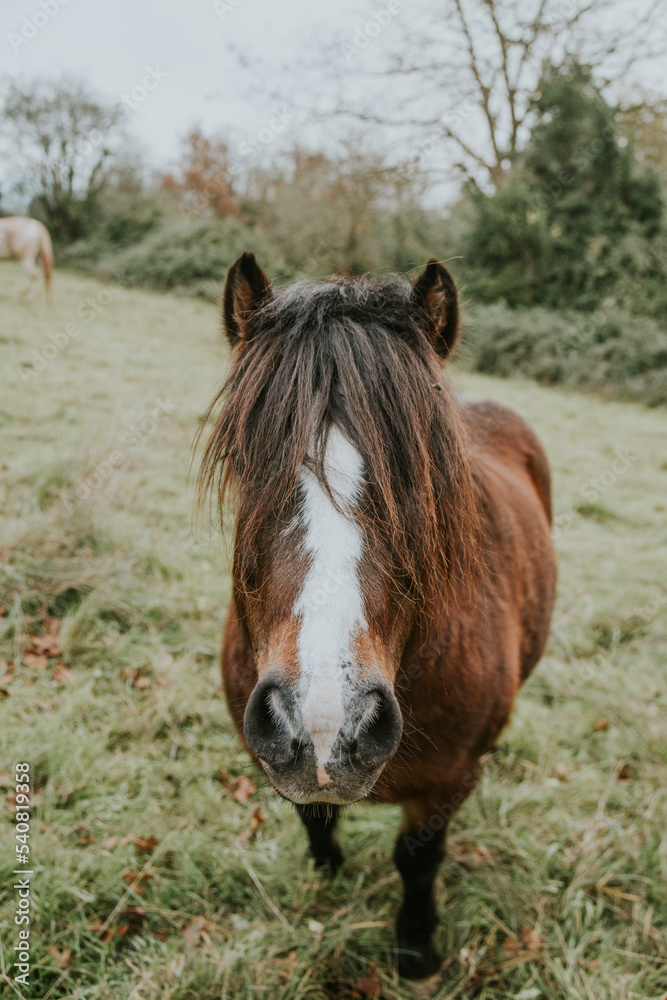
113 44
189 54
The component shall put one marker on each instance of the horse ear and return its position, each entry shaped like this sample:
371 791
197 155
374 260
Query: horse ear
246 289
434 292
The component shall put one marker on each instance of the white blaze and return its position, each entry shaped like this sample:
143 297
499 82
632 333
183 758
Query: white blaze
330 605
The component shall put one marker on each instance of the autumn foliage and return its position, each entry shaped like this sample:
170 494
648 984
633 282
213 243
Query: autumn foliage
203 177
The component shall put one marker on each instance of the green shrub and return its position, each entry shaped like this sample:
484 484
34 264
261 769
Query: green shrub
182 254
608 351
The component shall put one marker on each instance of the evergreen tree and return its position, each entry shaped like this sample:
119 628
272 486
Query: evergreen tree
574 221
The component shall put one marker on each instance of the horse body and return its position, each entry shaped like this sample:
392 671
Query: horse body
461 668
27 239
358 658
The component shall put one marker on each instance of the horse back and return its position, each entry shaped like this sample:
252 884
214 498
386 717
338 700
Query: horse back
500 437
21 236
512 468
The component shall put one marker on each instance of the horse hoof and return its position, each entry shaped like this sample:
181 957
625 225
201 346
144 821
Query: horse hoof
417 961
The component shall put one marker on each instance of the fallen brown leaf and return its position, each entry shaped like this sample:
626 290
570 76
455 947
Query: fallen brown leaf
482 856
242 788
532 939
256 820
137 877
61 674
470 854
84 835
61 958
368 987
112 842
145 845
511 946
138 678
194 931
35 661
600 725
288 966
46 644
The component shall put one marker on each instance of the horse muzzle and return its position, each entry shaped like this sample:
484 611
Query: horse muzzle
312 753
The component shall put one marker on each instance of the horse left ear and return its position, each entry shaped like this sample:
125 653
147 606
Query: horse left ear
246 289
434 292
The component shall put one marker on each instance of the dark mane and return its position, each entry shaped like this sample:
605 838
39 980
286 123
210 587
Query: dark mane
355 354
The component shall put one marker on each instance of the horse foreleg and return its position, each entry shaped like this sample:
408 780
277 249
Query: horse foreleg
320 821
419 850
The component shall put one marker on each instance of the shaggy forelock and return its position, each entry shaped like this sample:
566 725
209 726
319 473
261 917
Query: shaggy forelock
353 353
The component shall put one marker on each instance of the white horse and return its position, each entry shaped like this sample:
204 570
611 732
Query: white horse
26 239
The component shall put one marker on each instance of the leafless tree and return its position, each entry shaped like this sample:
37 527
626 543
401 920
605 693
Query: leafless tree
60 141
456 76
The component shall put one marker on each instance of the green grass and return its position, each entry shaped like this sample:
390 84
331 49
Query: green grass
564 837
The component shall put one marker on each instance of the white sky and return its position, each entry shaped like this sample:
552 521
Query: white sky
111 42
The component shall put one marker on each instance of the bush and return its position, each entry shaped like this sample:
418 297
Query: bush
186 254
608 351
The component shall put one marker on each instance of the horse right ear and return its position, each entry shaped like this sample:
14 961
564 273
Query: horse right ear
247 288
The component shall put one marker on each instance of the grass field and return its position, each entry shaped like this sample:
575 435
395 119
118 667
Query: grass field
159 875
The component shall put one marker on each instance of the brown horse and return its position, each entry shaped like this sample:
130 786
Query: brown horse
393 575
26 240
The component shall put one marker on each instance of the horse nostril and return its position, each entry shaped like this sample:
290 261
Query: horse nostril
380 731
266 723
